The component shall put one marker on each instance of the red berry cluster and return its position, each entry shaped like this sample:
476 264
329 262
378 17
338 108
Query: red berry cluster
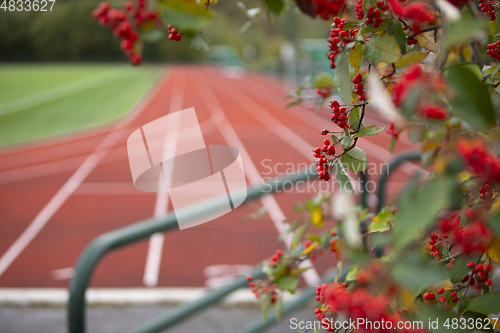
431 246
392 131
339 114
494 50
275 257
358 8
314 252
173 33
480 273
260 289
488 7
373 16
339 38
358 87
411 41
122 21
480 161
328 8
485 191
333 246
324 92
325 132
322 167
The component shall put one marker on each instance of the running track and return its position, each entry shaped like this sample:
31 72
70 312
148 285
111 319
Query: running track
56 196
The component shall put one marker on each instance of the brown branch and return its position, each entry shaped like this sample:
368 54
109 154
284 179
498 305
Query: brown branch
433 28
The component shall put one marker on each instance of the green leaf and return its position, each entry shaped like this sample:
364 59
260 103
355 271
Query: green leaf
370 28
380 222
352 24
354 118
296 237
185 15
288 282
356 57
463 30
200 41
411 58
370 130
382 48
343 180
346 141
417 209
486 304
417 274
395 28
355 159
323 79
152 36
494 223
300 270
459 269
353 273
473 101
265 305
275 6
426 40
392 144
279 308
315 238
342 77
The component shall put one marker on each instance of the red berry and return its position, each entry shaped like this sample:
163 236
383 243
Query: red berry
357 79
470 264
487 282
440 290
442 299
249 277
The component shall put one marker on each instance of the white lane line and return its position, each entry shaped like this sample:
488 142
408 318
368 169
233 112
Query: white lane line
58 297
273 124
155 248
311 276
318 122
73 182
64 90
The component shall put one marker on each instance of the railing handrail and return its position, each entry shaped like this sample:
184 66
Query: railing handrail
101 245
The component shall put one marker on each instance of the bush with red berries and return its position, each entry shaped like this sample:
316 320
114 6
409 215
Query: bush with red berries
430 69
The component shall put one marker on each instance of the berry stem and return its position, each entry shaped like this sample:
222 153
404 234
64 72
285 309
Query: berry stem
471 276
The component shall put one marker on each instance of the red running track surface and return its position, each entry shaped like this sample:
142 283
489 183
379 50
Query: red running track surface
56 196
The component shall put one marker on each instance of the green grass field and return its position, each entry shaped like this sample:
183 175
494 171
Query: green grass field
42 100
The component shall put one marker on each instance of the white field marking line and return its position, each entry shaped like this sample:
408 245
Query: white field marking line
156 240
41 155
70 164
62 273
316 122
273 124
64 90
58 297
73 182
377 122
311 276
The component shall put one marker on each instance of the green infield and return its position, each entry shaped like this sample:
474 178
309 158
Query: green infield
42 100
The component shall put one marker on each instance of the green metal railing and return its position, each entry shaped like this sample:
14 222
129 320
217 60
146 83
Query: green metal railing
107 242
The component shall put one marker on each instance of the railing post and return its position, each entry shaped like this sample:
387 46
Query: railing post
384 177
93 253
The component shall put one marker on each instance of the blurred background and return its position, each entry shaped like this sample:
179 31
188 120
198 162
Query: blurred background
68 100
